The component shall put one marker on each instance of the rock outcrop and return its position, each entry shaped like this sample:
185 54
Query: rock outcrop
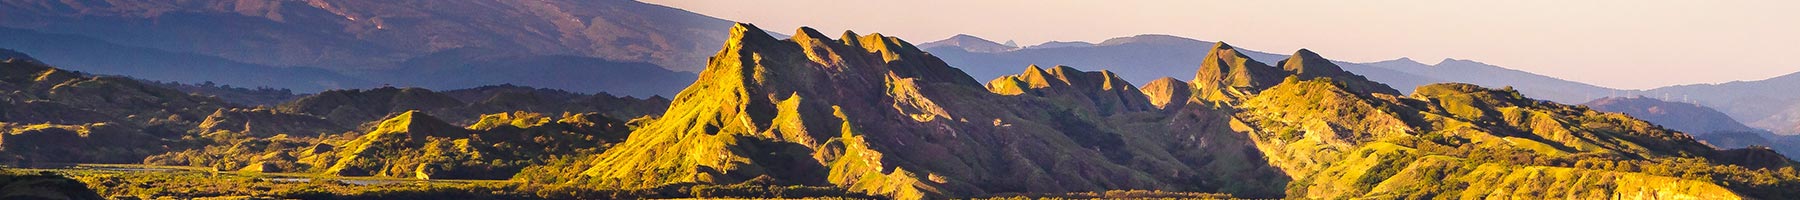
413 144
1226 74
263 122
873 114
1168 93
1308 65
1339 143
1102 91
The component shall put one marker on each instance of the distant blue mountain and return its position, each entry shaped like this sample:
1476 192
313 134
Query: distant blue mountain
100 57
307 46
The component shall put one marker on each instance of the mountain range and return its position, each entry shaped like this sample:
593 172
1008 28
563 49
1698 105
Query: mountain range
568 99
1144 58
875 115
332 44
1147 57
1702 122
897 121
1758 103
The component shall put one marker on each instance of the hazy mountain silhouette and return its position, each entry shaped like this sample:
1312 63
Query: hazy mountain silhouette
243 43
1702 122
1059 44
970 43
1533 85
95 56
349 34
1769 103
470 67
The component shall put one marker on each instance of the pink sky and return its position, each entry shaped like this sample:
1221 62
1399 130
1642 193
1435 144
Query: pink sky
1619 44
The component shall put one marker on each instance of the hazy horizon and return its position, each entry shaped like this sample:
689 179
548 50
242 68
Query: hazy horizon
1617 44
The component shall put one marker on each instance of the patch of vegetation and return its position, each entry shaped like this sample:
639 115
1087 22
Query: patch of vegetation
16 184
184 184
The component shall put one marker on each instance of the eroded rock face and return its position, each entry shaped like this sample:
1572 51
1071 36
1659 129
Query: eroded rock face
1101 92
413 144
1340 143
1226 74
1308 65
874 114
262 122
1168 93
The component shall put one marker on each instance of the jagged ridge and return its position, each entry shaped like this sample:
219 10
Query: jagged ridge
872 114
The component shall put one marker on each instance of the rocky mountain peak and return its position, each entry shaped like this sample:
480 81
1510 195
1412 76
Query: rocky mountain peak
1226 74
1308 65
809 33
846 38
1167 93
742 33
1103 90
1304 62
418 124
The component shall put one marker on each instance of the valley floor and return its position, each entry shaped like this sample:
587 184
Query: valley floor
132 181
136 181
